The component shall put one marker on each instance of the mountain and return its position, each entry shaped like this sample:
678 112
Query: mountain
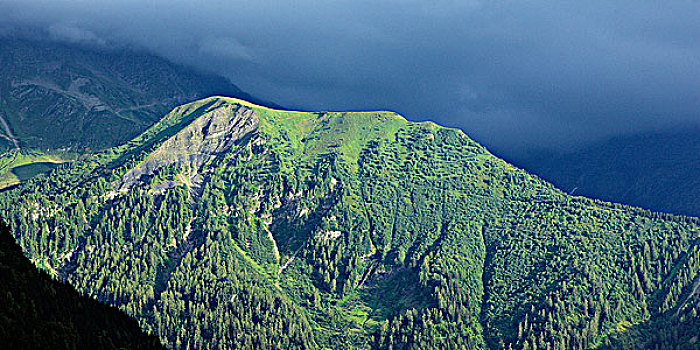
41 313
658 171
60 100
57 95
228 225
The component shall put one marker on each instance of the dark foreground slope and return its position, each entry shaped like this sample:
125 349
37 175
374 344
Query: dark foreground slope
229 225
40 313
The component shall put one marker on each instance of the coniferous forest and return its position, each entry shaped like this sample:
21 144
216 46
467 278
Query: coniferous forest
41 313
228 225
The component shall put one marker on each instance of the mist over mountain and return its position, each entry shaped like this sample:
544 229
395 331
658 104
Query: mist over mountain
654 170
529 80
515 74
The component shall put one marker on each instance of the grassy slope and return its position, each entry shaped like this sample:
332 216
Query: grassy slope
17 166
312 135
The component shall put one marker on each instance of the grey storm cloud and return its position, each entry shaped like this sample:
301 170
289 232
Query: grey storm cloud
73 34
513 74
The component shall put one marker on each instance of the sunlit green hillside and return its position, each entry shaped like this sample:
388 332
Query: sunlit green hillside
232 226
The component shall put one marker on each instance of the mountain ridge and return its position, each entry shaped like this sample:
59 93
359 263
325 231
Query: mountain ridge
322 216
91 86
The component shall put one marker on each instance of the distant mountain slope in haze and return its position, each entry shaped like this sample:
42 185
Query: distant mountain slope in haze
59 95
40 313
228 225
657 171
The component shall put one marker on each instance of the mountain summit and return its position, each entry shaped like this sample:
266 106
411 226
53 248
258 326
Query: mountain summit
228 225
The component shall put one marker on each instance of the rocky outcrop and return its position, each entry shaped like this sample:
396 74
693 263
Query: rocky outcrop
202 141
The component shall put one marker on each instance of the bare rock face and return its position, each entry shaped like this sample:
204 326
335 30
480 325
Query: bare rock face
207 137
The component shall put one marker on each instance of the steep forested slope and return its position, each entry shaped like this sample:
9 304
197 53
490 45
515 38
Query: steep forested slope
40 313
229 225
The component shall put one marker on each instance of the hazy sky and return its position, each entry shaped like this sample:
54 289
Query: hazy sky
512 74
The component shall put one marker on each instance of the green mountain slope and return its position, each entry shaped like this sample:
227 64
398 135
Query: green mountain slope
230 225
40 313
